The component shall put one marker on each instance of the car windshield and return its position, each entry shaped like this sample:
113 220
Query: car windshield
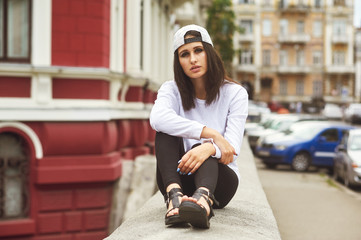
304 131
355 142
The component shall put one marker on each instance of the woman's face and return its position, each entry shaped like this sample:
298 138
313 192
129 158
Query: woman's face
193 59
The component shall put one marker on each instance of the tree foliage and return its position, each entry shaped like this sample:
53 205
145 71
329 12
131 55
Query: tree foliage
221 26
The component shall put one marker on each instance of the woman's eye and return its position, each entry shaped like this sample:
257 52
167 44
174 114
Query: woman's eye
185 54
199 50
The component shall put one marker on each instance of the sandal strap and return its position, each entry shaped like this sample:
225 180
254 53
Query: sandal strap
206 195
173 195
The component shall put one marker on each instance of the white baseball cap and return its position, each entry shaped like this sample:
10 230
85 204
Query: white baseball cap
179 36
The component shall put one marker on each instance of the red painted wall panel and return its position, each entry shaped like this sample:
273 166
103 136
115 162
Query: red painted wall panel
78 138
80 88
15 87
81 33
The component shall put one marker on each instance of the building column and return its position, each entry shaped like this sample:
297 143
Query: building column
117 36
133 37
41 33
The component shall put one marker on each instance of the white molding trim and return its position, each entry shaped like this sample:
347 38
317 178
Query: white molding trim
75 114
31 134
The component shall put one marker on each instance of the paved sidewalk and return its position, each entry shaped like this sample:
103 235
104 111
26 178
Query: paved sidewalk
248 216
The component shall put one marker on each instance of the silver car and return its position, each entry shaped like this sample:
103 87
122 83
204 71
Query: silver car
347 162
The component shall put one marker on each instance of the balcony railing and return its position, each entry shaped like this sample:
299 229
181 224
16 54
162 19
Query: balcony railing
340 39
248 37
339 69
294 38
247 68
299 7
293 69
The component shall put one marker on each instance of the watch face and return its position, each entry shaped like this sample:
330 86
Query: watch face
14 169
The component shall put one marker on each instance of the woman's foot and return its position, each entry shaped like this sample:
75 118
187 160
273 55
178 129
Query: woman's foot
173 200
197 210
202 202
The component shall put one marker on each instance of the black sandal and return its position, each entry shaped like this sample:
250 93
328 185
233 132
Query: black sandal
195 214
173 195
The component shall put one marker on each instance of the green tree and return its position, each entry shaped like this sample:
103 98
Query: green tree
221 26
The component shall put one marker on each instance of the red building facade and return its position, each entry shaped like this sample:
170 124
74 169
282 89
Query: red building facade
70 111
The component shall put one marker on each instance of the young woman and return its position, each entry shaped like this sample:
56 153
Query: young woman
199 118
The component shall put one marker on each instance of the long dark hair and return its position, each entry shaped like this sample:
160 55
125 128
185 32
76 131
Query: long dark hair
215 76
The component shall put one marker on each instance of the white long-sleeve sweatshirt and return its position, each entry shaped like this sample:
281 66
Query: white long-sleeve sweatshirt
227 115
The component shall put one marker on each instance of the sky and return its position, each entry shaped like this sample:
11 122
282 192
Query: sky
357 13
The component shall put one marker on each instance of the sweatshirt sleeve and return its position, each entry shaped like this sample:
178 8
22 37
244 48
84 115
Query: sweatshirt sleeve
165 117
237 115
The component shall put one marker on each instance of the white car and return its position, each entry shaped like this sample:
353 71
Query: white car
332 111
353 113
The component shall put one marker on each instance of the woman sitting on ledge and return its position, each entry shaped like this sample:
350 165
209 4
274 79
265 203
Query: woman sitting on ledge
199 118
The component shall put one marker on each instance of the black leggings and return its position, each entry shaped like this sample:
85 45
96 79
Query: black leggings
218 178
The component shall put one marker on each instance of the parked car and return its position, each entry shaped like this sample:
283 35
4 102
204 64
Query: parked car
306 143
273 124
256 110
347 162
353 113
332 111
277 124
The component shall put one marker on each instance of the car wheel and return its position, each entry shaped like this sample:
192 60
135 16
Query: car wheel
335 173
346 181
301 162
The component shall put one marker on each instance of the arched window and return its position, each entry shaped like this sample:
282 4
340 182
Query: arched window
14 175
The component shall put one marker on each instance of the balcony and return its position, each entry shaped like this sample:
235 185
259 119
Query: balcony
248 37
287 69
293 8
340 39
294 38
340 69
251 68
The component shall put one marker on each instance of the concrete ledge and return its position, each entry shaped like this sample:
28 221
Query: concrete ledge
248 216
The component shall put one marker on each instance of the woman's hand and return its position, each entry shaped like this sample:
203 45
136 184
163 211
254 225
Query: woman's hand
195 157
226 148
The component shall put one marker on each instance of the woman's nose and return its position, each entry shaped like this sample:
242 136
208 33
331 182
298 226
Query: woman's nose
193 58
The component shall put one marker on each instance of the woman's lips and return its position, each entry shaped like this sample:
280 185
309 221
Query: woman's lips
195 68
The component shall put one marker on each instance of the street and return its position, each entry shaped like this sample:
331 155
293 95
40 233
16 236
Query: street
310 205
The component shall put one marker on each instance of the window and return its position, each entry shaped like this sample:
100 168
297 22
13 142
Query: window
266 57
283 27
339 2
300 27
317 88
245 1
339 27
317 28
283 87
300 58
283 3
14 166
283 58
15 28
266 27
330 135
317 57
247 26
267 2
317 3
299 87
339 58
246 57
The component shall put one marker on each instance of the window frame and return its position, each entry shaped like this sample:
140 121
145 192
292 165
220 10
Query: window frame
5 58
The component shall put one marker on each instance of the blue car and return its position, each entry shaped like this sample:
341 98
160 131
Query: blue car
304 144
